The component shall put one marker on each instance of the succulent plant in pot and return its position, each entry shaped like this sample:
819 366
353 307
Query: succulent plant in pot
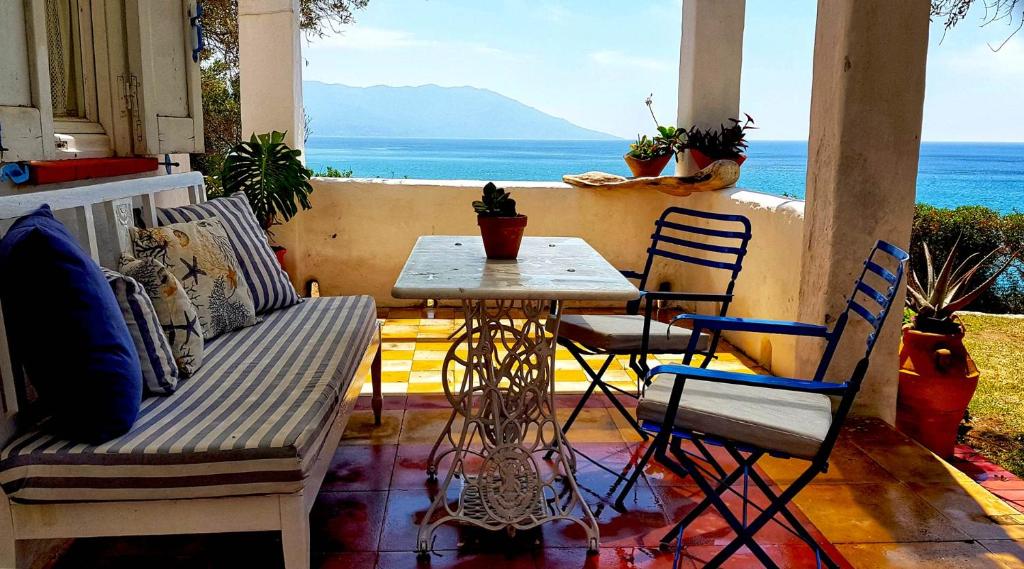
937 375
501 226
724 143
647 157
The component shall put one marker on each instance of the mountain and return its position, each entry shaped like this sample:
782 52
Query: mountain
430 111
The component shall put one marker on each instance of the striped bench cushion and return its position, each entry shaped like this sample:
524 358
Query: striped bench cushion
250 421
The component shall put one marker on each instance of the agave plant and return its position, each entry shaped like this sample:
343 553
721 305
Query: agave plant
271 175
943 294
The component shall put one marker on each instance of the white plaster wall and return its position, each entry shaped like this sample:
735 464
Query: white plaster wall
357 236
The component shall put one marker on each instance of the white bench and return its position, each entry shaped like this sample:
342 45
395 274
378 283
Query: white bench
256 459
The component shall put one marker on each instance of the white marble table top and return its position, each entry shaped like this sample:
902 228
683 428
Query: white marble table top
548 268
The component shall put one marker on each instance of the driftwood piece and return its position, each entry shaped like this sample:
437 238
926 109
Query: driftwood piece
718 175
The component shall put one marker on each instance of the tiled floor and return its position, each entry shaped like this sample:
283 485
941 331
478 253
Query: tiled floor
885 502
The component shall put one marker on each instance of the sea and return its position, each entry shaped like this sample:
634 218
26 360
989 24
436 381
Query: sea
949 173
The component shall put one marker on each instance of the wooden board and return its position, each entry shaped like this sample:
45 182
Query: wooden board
718 175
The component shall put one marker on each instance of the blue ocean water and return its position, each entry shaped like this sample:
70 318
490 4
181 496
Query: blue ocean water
949 174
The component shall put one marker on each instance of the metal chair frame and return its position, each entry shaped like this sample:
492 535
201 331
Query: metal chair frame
667 444
669 230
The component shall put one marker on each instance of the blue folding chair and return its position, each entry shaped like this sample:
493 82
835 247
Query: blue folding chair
723 247
751 416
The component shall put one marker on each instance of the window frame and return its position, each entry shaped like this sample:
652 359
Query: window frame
88 135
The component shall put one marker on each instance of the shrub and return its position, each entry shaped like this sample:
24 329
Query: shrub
980 230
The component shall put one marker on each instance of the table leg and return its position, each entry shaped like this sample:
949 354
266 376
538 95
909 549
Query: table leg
507 410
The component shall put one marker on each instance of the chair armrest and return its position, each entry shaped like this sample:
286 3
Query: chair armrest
736 378
691 296
753 325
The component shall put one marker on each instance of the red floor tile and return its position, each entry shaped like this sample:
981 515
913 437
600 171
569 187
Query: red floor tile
361 468
355 560
794 556
711 528
347 521
405 511
607 558
454 560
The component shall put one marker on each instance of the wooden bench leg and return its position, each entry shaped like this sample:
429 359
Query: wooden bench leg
294 532
377 401
8 546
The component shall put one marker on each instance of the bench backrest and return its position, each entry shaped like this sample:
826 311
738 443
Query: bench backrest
99 214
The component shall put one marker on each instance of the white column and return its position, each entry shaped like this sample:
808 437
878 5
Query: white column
866 106
710 61
270 67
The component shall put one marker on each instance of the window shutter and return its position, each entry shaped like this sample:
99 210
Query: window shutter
26 114
163 86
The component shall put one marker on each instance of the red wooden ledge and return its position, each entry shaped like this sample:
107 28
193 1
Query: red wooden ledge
54 171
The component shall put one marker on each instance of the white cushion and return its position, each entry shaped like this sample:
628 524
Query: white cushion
623 333
792 422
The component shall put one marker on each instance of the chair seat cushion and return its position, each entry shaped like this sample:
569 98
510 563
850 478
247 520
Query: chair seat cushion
783 421
251 421
623 333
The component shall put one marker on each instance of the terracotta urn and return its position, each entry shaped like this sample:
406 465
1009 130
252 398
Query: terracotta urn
937 381
703 160
502 235
647 168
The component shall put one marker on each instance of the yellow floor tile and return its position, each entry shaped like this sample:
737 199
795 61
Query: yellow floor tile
427 365
395 354
396 365
426 377
394 376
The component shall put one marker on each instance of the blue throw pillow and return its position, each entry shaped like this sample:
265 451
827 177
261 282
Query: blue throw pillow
67 331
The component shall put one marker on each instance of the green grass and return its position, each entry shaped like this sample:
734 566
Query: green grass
997 410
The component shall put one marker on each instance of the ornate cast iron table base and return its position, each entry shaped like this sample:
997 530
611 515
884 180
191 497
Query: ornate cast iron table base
502 424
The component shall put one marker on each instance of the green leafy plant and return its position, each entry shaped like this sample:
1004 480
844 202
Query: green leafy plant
725 142
496 202
332 172
937 300
271 175
977 229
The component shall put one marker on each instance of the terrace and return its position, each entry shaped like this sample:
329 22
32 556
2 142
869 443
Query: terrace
885 501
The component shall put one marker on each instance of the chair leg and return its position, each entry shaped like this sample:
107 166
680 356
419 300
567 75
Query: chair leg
790 517
744 532
8 545
725 481
635 475
622 410
377 399
294 532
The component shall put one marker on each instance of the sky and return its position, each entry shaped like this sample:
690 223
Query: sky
594 62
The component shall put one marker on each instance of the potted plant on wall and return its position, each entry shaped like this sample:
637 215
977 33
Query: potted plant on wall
273 178
937 375
647 157
501 226
723 143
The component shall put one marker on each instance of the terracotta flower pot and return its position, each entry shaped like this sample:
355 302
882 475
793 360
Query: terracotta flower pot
937 381
502 235
703 160
647 168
